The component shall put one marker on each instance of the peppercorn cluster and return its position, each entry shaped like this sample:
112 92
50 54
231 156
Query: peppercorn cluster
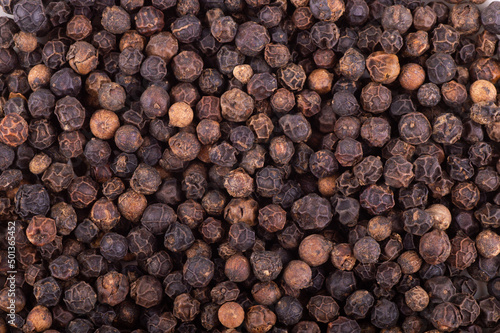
256 166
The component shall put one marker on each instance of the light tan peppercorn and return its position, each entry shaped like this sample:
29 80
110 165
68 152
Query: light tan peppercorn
39 163
180 114
39 319
297 274
383 67
488 243
327 185
104 123
379 228
483 91
441 216
243 73
320 80
25 41
39 77
417 298
231 314
412 76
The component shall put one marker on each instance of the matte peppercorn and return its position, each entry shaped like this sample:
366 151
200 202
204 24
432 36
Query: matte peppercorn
341 149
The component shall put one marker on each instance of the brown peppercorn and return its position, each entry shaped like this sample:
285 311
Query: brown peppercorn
454 93
82 57
465 18
241 210
320 80
236 105
146 291
276 55
342 257
417 299
231 315
13 130
180 114
327 186
412 76
39 319
237 268
463 252
162 44
103 124
79 27
410 262
39 163
259 319
435 247
447 128
149 20
238 183
379 228
465 195
315 250
266 293
112 96
440 215
488 243
482 91
39 77
187 66
383 67
25 41
186 308
375 98
446 317
131 205
243 73
104 214
128 138
41 230
112 288
115 20
208 131
292 77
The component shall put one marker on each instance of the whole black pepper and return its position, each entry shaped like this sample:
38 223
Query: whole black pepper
254 154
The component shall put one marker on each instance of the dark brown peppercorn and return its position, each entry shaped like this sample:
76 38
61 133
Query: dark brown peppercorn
80 298
259 319
435 247
149 20
198 271
377 199
367 250
446 317
440 68
146 291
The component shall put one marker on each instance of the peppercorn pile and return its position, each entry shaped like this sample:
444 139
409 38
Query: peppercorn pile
250 166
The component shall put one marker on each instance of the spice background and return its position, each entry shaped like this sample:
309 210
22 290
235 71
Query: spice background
216 178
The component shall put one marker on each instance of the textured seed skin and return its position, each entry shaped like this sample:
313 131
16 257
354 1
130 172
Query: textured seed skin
313 166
